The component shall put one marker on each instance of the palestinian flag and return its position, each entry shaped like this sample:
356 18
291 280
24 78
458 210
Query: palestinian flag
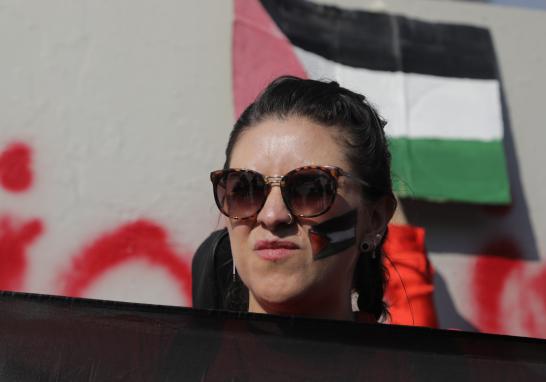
437 85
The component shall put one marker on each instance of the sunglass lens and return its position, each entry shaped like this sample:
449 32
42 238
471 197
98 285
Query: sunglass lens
240 194
309 192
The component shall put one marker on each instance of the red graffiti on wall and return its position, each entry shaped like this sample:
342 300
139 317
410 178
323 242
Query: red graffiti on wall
14 239
16 235
509 293
15 167
139 239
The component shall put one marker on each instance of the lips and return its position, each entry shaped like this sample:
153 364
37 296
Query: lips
275 249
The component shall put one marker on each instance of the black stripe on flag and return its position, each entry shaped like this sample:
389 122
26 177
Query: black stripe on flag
386 42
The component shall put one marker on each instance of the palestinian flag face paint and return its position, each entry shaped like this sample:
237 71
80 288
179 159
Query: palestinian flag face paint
333 236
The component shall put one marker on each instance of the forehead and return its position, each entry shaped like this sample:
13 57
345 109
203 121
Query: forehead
276 146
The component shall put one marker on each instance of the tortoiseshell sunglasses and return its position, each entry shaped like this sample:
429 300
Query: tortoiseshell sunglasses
307 191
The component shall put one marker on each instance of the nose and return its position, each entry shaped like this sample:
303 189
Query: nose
274 212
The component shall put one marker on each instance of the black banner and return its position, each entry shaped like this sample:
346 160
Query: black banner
46 338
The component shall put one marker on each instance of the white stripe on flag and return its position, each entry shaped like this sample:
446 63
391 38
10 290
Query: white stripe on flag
418 105
341 235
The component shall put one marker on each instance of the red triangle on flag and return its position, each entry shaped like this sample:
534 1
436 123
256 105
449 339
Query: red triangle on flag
261 53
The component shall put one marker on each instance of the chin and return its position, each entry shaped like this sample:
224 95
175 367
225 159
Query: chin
277 298
284 298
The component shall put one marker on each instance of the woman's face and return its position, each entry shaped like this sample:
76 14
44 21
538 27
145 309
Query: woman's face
296 282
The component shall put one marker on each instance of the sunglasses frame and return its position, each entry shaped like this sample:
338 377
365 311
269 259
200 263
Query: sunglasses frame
270 181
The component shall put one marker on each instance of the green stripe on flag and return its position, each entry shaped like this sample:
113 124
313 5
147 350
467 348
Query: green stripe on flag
456 170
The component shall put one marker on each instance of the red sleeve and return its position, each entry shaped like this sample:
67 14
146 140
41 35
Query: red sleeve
411 277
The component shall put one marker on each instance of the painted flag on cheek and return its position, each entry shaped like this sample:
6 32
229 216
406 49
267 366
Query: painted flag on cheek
333 236
436 84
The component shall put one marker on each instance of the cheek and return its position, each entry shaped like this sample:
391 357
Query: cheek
239 235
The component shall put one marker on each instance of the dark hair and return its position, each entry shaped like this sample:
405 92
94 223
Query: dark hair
360 130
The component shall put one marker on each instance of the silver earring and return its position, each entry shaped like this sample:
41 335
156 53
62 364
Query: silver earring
234 272
291 219
376 242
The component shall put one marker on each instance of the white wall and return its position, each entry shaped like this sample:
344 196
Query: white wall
127 107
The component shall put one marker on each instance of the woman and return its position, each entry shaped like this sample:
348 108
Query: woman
307 195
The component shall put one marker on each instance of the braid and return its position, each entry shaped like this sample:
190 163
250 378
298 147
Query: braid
370 279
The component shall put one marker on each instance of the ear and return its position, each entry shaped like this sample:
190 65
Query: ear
381 212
